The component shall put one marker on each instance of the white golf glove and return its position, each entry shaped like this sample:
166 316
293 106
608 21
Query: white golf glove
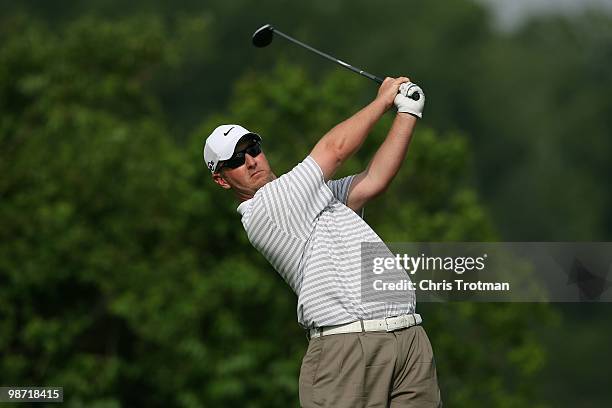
404 103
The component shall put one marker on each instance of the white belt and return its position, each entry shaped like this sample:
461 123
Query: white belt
388 324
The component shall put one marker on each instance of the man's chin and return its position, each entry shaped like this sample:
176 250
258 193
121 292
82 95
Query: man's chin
261 179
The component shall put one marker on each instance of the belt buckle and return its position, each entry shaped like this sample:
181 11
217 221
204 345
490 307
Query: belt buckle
402 321
387 325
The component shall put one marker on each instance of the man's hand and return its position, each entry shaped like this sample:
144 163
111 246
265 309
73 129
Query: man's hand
389 89
405 104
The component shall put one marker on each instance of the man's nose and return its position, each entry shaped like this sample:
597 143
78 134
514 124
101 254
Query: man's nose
250 161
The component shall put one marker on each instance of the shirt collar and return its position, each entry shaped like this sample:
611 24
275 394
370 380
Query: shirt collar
242 207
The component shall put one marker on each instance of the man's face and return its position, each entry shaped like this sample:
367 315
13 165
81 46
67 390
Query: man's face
249 177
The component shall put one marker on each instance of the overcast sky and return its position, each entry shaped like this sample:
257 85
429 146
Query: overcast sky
509 13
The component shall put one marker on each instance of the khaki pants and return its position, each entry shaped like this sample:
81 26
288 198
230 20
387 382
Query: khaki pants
373 369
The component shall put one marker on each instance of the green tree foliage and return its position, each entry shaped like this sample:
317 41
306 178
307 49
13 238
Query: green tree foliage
544 154
94 258
125 274
533 103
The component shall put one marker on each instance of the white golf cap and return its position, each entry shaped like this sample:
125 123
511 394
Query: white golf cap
221 143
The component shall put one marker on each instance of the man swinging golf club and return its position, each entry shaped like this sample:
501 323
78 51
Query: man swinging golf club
309 228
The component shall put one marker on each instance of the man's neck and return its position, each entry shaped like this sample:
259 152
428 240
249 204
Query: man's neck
242 196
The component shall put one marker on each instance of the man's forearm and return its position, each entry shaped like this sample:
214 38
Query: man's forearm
389 157
345 138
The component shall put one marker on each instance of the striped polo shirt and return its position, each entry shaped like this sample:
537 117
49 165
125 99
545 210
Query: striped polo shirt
303 227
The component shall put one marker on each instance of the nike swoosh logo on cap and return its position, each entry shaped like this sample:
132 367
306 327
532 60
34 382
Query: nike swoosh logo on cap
226 133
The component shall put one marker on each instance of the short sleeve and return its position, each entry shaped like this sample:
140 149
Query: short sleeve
340 188
294 201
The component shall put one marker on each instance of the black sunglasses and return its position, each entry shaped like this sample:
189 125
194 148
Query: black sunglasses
238 158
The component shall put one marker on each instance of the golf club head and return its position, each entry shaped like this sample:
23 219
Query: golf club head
263 36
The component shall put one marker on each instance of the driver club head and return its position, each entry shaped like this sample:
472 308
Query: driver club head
263 36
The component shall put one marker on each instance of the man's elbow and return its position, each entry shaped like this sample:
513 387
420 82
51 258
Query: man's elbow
338 150
327 156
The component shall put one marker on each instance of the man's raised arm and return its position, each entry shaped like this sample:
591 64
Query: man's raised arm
346 138
388 158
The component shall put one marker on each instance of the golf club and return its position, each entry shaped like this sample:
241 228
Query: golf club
263 37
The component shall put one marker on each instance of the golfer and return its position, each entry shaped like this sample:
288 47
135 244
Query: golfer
310 228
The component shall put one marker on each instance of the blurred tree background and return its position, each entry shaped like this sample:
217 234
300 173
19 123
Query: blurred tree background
125 275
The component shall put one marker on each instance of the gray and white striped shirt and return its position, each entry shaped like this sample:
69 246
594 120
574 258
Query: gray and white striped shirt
302 226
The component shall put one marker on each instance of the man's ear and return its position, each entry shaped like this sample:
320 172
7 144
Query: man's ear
218 178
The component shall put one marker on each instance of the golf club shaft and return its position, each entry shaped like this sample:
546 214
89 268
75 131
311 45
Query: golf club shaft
329 57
